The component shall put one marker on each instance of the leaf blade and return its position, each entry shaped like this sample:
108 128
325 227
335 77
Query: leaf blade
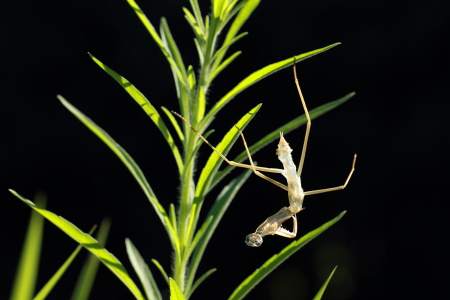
148 25
215 214
214 160
51 283
259 75
143 271
88 242
28 267
251 281
89 270
175 292
319 294
131 165
145 104
286 128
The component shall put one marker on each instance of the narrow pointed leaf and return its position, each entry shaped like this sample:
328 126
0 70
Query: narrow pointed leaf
239 21
156 37
193 23
174 123
161 269
213 163
143 271
250 282
88 242
172 47
172 215
201 103
129 163
198 47
86 278
286 128
216 213
228 61
319 294
28 267
200 280
257 76
175 292
218 55
145 104
223 147
199 234
48 287
198 14
241 18
51 283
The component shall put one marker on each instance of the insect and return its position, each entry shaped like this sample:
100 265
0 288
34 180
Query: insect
273 224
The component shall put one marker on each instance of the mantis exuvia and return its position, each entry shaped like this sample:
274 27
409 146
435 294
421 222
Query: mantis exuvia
273 224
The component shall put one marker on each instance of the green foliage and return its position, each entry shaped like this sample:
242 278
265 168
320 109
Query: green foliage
88 272
319 294
89 243
188 233
277 259
27 271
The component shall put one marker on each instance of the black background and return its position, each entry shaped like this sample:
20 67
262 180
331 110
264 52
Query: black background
391 242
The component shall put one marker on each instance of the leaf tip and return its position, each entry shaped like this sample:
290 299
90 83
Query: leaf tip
61 98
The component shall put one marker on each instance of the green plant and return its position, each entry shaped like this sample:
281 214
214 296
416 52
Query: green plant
28 267
188 233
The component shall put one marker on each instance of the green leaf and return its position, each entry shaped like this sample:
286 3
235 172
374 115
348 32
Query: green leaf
200 280
219 54
217 7
129 162
172 215
198 15
200 234
319 294
28 267
48 287
143 271
145 104
215 214
201 105
250 282
257 76
86 278
175 292
174 123
156 37
243 15
275 135
171 46
213 163
88 242
199 35
161 269
220 68
51 283
223 147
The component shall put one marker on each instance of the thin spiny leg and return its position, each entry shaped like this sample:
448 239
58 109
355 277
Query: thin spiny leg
341 187
308 124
